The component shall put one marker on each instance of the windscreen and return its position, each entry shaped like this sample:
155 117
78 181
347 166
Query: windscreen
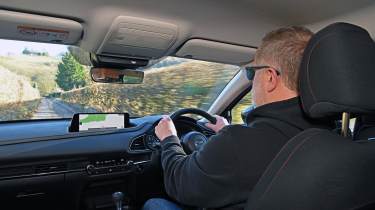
45 81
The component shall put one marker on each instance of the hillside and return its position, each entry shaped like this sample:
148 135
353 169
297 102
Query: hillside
188 84
23 80
18 99
15 88
18 110
39 70
167 87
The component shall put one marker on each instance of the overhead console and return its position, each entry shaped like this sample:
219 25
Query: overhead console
39 28
140 38
117 62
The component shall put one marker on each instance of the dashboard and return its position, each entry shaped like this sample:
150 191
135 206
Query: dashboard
42 163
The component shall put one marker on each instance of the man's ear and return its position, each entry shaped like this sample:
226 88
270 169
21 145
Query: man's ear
272 80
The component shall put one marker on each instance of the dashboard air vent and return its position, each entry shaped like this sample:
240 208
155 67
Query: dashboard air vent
16 171
138 144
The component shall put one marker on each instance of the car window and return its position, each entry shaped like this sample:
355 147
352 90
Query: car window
244 103
43 81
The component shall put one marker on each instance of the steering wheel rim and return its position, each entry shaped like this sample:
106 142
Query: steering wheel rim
185 140
190 140
200 112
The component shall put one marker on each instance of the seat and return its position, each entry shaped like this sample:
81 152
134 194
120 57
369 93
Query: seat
321 169
364 128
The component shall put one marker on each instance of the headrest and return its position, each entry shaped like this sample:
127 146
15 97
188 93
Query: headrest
337 72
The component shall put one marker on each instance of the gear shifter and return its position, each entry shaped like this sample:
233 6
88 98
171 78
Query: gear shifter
117 198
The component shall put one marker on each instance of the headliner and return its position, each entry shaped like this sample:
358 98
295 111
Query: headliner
243 22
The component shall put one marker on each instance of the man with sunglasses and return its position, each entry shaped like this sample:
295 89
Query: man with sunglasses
224 171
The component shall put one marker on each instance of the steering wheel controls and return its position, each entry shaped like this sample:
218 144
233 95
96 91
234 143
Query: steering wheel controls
152 142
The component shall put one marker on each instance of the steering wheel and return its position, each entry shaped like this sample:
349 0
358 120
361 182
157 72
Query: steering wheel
199 112
193 140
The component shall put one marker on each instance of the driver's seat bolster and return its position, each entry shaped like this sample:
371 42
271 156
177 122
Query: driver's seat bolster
315 171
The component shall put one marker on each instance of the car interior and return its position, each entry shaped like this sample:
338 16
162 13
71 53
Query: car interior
53 164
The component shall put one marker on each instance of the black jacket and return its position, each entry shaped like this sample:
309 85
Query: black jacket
226 169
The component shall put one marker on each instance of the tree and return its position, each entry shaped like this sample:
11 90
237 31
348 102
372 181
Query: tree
26 51
70 73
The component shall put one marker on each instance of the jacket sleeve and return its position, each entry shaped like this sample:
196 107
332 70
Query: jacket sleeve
206 177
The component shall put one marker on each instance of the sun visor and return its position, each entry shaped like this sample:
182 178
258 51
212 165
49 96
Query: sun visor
138 38
38 28
216 51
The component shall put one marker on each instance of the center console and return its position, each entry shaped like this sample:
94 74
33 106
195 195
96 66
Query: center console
121 165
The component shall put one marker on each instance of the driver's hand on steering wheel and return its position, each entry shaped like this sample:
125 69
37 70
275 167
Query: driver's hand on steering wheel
221 122
165 128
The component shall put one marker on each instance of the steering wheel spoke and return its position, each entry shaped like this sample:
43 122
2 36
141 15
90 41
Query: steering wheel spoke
193 140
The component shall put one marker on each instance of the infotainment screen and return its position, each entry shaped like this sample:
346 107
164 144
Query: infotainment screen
90 121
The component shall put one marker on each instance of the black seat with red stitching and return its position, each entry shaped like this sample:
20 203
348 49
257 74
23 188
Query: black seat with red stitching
320 169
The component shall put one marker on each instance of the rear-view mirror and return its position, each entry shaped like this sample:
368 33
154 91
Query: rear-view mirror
119 76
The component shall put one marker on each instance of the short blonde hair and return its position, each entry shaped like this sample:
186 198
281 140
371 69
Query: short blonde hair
284 48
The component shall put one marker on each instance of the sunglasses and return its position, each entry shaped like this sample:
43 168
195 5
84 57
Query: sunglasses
250 71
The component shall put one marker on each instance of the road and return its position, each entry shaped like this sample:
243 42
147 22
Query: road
53 108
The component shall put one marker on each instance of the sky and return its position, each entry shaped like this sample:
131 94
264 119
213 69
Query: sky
16 47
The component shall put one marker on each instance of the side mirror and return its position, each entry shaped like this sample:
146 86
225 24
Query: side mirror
119 76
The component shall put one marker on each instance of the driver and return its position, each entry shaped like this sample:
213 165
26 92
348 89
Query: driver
224 171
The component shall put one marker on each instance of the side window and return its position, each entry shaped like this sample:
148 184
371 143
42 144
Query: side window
244 103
